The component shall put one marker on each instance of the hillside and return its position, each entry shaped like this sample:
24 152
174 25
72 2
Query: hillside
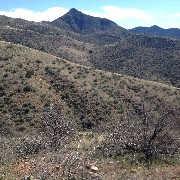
82 98
55 41
141 56
31 80
158 31
36 136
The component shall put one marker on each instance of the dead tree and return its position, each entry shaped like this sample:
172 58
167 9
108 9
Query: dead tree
150 132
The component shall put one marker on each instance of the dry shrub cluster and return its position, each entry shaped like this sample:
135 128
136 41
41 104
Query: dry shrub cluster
148 136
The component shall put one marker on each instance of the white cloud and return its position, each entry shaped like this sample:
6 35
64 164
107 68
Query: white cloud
117 14
111 12
48 15
173 16
125 17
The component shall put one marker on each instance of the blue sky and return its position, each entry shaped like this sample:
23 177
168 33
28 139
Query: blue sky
126 13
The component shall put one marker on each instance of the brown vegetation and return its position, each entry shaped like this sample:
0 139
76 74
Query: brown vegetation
50 137
61 120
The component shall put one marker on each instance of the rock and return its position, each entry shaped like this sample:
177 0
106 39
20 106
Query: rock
92 168
111 162
57 168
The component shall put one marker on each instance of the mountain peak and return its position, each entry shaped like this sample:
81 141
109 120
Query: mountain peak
74 10
155 27
81 23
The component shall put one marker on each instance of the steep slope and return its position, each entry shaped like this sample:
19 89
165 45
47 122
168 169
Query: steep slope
158 31
31 80
85 24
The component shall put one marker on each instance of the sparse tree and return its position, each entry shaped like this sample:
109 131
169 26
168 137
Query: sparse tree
57 127
150 133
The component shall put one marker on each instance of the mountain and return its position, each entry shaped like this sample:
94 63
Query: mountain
84 24
141 56
63 120
158 31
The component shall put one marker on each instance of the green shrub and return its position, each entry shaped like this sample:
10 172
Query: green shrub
38 61
27 88
22 128
29 73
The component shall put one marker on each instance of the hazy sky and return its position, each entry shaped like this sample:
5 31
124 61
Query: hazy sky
126 13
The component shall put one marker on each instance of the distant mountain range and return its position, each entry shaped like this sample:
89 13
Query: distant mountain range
99 43
157 31
78 22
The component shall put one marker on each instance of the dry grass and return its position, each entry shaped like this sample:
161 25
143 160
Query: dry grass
52 165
